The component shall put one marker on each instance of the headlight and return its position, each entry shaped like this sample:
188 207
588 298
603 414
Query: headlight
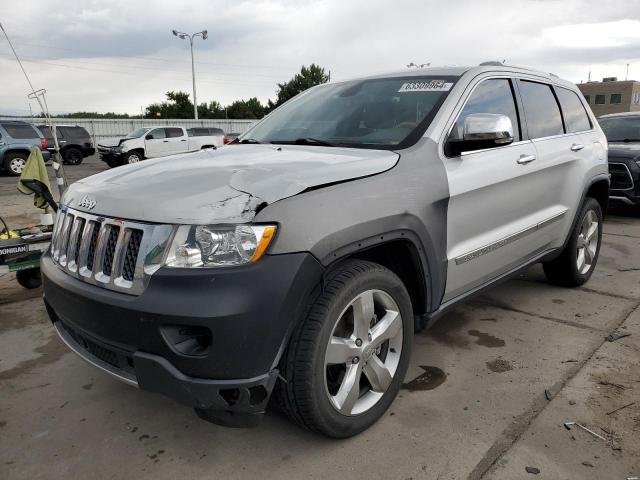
218 246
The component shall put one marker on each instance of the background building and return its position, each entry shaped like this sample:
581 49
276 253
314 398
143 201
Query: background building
612 96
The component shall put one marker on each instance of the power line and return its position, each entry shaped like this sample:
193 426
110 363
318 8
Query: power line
120 72
156 59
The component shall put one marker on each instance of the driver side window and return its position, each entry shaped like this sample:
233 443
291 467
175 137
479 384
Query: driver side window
492 96
156 133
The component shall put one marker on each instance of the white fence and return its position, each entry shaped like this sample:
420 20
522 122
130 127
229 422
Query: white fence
104 128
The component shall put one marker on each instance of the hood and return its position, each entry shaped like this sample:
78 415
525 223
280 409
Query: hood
111 141
224 185
624 150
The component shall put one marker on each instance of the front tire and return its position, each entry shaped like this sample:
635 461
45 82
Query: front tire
346 360
29 278
132 157
577 261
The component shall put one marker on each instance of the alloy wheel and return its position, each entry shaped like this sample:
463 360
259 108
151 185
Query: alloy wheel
587 244
17 165
363 352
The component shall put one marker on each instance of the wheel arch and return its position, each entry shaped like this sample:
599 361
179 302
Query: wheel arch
10 150
599 190
402 252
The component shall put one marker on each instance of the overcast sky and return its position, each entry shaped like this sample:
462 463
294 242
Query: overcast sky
120 55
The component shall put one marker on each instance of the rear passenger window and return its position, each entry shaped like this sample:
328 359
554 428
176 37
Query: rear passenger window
575 116
540 109
173 132
20 131
492 96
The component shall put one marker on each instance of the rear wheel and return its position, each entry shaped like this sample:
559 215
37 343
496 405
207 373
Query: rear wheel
14 162
577 261
29 278
72 156
346 360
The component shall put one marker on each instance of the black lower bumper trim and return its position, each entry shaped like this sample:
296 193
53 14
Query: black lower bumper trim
235 403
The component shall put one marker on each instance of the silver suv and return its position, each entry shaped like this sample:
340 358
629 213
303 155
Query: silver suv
300 259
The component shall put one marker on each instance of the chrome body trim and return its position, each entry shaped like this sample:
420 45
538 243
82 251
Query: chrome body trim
507 240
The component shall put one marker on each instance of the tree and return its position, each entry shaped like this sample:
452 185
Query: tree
213 110
177 105
307 78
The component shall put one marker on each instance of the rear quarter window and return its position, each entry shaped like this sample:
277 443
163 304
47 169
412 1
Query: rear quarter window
20 131
541 109
74 132
575 115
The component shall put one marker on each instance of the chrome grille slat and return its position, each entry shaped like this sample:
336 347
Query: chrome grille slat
64 238
111 253
74 240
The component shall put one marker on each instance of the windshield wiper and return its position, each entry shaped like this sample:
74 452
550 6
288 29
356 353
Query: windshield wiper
313 141
249 140
303 141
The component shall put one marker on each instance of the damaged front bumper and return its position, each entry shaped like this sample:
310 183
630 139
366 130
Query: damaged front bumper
245 316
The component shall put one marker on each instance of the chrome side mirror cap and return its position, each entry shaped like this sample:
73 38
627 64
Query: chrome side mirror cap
480 130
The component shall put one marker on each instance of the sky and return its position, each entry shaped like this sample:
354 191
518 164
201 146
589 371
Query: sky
120 55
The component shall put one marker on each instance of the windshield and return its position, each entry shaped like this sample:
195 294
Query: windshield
621 129
137 133
378 113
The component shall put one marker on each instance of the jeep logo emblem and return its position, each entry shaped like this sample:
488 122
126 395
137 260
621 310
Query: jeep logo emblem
87 202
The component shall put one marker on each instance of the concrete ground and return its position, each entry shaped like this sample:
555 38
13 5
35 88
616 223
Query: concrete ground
486 396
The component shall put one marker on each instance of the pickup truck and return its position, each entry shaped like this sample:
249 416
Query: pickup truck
150 142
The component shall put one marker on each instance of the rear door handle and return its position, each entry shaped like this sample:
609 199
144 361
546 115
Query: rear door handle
183 140
576 147
524 159
165 141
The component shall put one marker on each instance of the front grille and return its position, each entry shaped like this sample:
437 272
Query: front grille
133 248
114 254
110 249
93 240
620 177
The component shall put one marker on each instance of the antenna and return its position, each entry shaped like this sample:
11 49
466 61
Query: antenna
38 95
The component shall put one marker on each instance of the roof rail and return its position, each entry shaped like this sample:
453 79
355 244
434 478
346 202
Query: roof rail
492 63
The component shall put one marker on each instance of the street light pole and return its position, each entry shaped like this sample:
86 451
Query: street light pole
183 36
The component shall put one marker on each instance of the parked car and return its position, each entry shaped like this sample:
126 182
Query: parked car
301 260
74 141
150 142
216 133
16 141
230 137
623 133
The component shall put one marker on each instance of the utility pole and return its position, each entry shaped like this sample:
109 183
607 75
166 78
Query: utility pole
183 36
626 77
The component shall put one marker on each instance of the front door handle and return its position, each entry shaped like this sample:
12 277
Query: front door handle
576 147
183 140
524 159
165 141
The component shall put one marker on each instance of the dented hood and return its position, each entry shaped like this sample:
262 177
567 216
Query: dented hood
221 186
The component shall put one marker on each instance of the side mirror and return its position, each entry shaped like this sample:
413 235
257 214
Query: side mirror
149 137
480 130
